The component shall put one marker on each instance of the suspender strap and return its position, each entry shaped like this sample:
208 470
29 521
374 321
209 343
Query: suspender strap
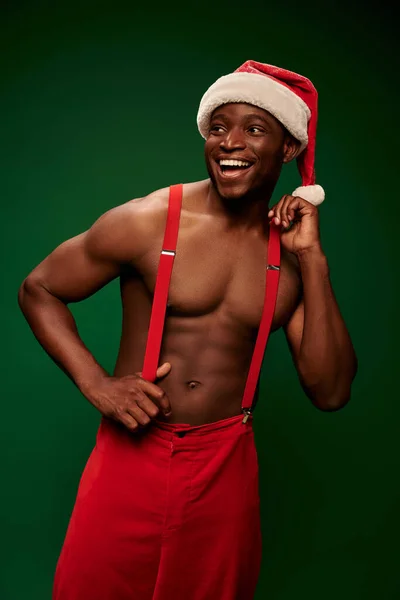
164 272
271 290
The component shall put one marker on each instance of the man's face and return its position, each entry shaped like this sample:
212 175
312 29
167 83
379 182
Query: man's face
248 134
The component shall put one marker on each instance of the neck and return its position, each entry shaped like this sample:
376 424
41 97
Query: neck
249 212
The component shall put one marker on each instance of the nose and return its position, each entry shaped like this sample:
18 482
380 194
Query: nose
232 140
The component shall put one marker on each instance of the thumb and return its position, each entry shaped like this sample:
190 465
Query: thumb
163 370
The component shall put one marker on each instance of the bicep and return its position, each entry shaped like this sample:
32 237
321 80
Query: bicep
294 330
73 272
84 264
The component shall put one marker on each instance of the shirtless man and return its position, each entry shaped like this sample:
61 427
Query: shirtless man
129 538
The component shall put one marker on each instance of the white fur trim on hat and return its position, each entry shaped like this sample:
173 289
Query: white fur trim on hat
261 91
314 194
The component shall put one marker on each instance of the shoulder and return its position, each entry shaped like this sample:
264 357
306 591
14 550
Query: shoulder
127 231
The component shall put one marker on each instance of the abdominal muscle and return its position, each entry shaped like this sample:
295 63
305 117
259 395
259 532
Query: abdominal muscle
209 356
211 363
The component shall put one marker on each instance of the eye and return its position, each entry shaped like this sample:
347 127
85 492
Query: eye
216 128
256 129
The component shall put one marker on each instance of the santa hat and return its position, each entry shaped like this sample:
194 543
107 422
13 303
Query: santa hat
289 97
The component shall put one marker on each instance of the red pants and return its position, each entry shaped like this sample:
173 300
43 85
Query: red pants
165 515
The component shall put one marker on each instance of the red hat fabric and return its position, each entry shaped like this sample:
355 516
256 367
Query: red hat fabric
289 97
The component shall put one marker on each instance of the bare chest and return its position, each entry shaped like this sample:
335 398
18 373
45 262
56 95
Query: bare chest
215 270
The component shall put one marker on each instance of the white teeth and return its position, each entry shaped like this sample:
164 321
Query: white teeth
234 163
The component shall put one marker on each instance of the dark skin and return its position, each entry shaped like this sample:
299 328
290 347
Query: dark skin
251 134
216 293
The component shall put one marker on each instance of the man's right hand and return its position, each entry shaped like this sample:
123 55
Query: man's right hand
132 400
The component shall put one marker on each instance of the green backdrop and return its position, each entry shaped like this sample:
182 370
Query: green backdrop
98 103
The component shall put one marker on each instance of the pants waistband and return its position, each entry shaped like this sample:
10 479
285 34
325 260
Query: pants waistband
208 431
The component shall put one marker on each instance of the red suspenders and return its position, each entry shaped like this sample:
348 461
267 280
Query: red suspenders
159 307
164 272
271 291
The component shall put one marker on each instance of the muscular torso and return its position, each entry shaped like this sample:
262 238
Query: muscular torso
215 303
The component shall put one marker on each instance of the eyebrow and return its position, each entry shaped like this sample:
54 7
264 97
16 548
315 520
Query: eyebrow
247 117
259 117
218 116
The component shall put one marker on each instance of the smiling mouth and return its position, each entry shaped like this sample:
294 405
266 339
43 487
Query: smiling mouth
231 169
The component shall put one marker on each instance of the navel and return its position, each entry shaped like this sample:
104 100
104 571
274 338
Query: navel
193 384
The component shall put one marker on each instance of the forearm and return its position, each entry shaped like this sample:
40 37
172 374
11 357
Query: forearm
327 361
55 329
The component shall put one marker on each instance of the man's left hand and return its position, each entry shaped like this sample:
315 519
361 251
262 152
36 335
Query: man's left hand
300 224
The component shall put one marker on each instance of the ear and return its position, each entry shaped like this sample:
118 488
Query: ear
290 148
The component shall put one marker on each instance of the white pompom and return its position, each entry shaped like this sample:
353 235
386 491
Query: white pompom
314 194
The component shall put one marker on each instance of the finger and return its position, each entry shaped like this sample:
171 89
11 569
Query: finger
284 211
291 213
163 370
129 422
163 402
291 208
278 210
303 208
138 414
149 388
274 212
156 394
148 406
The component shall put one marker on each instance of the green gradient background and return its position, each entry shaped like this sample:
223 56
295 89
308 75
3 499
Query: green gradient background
98 103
